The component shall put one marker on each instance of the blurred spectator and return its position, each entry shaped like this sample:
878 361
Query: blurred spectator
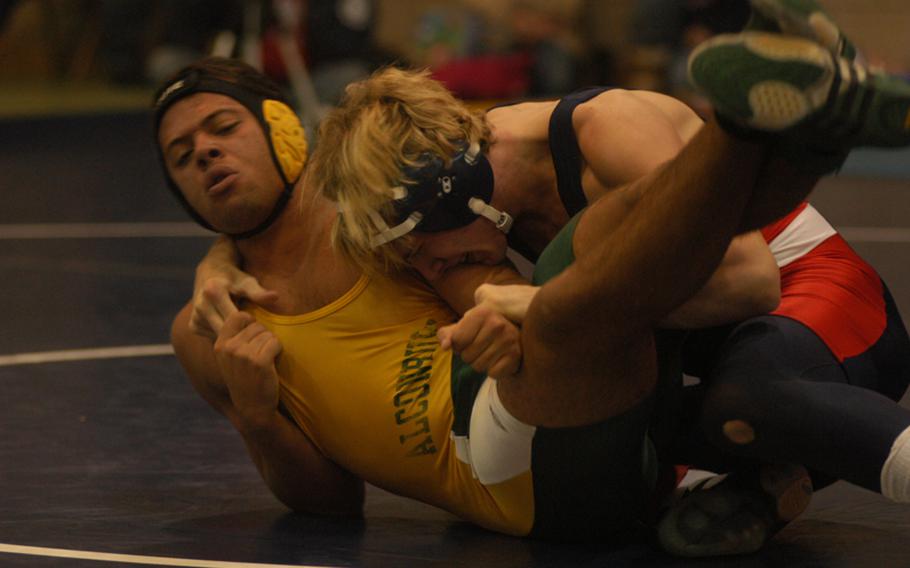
682 24
336 40
340 47
547 31
665 32
499 49
183 31
447 33
453 43
122 45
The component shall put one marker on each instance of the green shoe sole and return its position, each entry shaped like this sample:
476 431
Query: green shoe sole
765 81
773 83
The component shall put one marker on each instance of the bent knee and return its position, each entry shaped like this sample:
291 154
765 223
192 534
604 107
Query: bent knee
738 432
729 417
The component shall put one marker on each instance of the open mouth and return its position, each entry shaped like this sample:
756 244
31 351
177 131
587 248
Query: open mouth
221 183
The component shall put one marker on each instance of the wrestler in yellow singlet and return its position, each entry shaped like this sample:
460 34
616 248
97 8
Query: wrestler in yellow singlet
377 399
366 380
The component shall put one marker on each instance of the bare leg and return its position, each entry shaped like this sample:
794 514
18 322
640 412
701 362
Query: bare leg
588 344
774 198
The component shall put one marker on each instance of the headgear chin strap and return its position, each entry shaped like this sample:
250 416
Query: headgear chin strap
283 131
435 198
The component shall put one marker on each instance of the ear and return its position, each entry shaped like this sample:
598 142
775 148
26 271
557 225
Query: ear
288 139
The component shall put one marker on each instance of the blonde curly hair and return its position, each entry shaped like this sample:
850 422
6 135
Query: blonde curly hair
383 125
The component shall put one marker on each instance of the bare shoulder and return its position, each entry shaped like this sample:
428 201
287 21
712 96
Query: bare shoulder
620 106
528 120
625 134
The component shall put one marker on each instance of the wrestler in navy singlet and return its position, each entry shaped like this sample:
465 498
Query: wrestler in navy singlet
798 375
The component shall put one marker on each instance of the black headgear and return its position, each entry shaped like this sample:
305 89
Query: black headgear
283 132
436 198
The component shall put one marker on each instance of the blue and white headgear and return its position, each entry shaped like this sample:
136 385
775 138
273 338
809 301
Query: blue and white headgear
434 198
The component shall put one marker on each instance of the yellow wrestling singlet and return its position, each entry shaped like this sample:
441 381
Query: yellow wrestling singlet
365 379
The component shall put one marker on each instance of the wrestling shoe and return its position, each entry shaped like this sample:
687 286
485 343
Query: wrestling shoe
800 18
771 83
736 513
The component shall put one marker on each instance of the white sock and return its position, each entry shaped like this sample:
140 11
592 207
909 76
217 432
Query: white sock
896 471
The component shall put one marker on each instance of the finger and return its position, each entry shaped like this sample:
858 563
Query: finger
206 313
482 328
258 348
219 300
272 348
444 334
510 300
479 349
250 289
244 348
205 318
200 327
252 331
484 292
234 324
465 330
491 350
505 366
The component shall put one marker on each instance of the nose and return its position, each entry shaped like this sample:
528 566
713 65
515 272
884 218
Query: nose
439 266
206 151
430 268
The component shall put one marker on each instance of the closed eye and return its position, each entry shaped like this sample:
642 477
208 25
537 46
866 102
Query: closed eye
183 158
413 254
226 129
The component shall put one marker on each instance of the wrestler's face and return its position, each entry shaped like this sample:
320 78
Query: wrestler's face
216 152
478 243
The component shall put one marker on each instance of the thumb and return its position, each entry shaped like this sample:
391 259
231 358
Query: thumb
485 292
250 289
496 295
444 334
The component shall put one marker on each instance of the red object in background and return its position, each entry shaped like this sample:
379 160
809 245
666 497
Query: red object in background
487 76
272 61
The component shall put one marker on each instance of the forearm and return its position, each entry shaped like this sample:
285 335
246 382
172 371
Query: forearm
296 472
746 284
291 465
221 256
457 286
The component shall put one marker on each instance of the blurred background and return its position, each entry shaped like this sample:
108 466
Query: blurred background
63 56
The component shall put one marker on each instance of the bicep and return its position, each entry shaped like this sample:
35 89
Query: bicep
624 136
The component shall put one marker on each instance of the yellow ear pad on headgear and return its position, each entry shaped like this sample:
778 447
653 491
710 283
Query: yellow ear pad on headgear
287 137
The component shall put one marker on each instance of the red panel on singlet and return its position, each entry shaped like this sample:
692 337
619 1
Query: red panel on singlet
835 293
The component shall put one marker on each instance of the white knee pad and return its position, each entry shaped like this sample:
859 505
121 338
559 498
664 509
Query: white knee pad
895 475
500 444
